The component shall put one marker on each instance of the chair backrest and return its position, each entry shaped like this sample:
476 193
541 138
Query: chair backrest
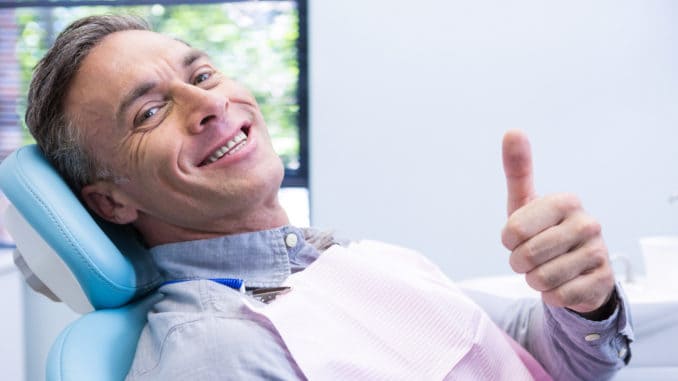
109 264
85 262
100 345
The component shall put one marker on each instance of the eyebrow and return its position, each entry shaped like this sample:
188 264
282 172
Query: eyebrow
193 56
144 88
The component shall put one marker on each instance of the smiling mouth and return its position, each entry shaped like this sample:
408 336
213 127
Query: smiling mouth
238 142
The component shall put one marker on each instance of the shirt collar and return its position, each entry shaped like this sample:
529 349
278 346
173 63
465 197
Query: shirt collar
262 259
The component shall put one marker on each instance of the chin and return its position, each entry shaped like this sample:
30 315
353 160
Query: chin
268 179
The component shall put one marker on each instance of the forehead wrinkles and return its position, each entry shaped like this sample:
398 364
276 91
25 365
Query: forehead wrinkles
129 57
143 49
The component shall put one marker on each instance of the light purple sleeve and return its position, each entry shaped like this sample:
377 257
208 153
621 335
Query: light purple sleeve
567 345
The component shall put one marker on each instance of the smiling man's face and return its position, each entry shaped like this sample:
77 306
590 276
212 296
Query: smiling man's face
188 147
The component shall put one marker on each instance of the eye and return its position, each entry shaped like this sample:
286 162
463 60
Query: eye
147 114
202 77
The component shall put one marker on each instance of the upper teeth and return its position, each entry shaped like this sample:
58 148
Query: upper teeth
227 149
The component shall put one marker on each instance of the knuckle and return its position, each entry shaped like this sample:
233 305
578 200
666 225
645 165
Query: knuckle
598 256
514 233
541 280
526 251
516 264
524 258
589 226
552 280
561 296
567 202
606 279
530 255
531 280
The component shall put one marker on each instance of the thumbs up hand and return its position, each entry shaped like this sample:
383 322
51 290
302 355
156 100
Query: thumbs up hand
553 241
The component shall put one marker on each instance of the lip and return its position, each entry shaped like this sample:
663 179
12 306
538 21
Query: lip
248 128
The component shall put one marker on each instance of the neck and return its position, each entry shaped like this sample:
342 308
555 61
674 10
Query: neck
156 232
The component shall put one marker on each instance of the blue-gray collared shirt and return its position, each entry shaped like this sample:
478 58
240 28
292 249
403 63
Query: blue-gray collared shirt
199 330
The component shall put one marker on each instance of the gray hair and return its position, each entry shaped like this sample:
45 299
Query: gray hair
60 138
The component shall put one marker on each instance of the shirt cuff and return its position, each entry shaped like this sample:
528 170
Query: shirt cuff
610 337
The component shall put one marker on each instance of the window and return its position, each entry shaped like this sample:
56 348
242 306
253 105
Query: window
261 44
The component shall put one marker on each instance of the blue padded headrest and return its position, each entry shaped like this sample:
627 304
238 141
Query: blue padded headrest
108 260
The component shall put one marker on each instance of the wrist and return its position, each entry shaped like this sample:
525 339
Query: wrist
604 311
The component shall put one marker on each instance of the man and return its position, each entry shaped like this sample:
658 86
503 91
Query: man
151 134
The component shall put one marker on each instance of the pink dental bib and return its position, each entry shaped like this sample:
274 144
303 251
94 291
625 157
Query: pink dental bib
380 312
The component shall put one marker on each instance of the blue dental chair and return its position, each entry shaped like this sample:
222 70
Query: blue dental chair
98 269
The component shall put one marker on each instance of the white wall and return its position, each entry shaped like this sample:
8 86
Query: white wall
409 101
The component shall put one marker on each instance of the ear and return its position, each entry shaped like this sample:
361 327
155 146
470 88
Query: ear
108 203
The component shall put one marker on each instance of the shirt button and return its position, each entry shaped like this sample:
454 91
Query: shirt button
291 240
592 337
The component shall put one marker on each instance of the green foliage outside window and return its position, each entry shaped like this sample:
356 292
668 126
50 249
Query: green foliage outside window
252 42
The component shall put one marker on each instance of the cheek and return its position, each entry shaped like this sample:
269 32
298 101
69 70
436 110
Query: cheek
147 156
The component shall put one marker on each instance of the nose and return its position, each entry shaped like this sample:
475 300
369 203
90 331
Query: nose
200 108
